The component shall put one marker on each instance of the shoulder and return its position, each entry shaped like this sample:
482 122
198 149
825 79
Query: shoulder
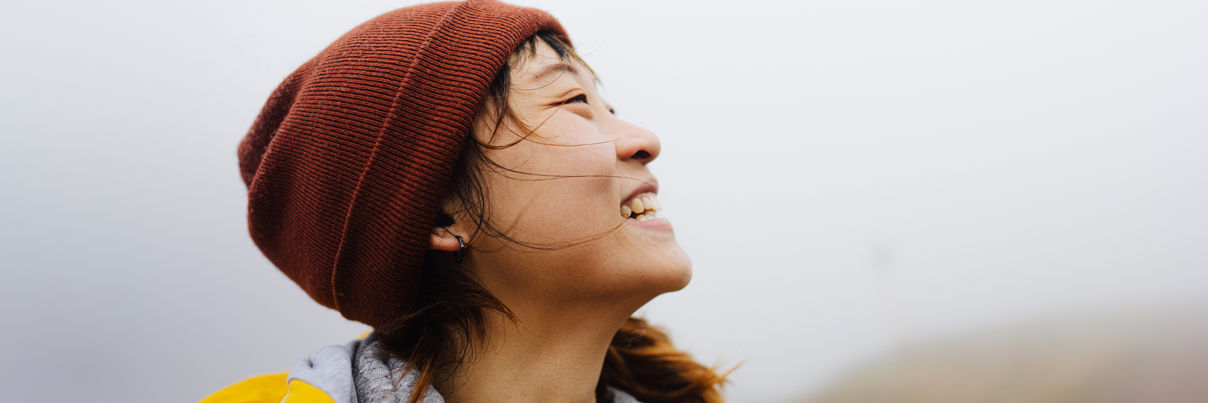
358 371
262 388
269 388
324 376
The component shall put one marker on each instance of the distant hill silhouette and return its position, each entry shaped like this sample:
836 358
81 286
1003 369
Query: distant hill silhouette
1135 357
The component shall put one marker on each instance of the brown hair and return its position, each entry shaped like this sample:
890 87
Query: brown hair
450 320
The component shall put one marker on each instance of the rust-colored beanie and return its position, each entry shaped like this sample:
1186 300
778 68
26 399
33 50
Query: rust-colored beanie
348 159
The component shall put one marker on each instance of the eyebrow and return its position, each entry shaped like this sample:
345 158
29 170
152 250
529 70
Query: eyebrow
561 66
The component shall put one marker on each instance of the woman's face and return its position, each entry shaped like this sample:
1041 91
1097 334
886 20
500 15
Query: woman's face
569 183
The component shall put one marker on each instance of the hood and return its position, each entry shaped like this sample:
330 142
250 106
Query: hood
360 371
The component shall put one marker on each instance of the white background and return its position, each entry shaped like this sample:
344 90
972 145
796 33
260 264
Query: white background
846 176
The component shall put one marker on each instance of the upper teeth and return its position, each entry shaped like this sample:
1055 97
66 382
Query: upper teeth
644 205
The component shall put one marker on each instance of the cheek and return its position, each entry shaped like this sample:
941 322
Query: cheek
555 194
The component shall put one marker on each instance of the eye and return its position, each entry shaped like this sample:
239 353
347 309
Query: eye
577 98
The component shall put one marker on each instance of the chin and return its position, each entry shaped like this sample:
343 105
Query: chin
685 278
638 278
674 276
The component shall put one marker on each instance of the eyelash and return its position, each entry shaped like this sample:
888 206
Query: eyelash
583 97
580 97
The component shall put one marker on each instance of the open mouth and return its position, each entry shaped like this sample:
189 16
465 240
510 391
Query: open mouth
641 207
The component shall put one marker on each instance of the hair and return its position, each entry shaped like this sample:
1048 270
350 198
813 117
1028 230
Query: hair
442 334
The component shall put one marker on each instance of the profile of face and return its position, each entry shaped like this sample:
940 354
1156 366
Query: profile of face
569 181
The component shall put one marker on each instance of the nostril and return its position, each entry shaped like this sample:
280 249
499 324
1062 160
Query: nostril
641 155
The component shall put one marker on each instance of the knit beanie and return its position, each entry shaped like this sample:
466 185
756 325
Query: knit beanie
347 161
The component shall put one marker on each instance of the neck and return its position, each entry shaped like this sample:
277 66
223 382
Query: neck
550 354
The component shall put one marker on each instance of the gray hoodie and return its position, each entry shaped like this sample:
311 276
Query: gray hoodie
361 372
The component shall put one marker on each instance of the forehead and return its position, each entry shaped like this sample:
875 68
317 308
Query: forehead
544 66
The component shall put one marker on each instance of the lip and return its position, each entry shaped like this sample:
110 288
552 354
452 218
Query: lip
649 185
653 223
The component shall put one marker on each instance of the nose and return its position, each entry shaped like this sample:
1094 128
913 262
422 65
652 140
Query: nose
635 142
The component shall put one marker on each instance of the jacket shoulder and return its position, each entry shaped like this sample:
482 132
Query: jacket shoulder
269 388
328 368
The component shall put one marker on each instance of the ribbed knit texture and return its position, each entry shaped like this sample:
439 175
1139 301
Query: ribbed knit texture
348 159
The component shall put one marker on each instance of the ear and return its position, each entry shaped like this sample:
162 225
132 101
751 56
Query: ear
442 239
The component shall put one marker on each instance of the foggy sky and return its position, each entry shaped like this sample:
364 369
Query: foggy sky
846 177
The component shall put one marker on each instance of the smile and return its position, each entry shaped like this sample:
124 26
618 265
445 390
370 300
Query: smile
642 207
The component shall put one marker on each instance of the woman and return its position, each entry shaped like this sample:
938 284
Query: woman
449 174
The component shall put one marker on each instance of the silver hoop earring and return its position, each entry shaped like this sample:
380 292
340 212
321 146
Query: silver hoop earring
457 254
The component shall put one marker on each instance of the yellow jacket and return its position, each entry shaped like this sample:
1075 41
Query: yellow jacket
356 372
270 388
325 376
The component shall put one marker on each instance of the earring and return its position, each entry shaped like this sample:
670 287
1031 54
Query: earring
457 254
